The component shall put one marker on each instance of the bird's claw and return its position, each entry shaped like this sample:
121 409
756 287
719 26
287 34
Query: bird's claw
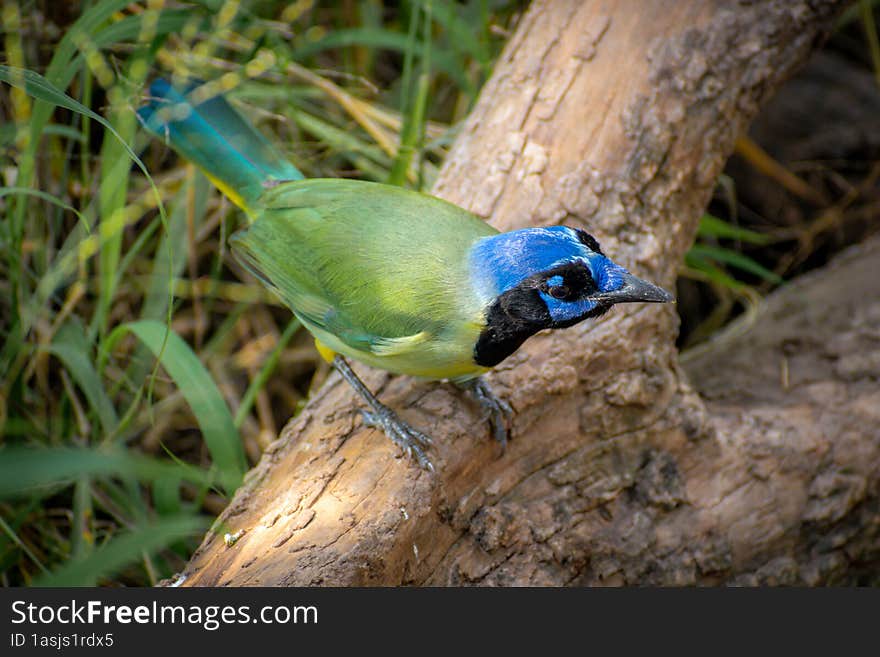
412 441
499 410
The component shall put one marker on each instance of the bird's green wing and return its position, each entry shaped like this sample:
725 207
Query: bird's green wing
382 268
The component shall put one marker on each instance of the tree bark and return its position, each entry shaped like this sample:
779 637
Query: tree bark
614 117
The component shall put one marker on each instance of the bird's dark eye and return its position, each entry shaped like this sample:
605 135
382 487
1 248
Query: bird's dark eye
568 282
558 291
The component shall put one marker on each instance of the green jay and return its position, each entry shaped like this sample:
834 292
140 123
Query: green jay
393 278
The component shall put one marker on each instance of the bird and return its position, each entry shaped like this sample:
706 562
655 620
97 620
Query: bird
393 278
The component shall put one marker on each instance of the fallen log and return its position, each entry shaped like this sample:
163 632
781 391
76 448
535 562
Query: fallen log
754 461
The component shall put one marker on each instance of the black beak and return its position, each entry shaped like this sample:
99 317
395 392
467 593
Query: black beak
634 289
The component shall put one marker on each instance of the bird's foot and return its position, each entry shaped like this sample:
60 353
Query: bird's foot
412 441
499 410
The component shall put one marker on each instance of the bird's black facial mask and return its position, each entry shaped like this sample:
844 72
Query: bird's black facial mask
580 283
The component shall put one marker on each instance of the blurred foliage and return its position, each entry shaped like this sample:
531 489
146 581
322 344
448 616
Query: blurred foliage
802 185
139 377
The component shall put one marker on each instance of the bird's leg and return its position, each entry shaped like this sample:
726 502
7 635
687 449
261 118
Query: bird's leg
499 410
411 441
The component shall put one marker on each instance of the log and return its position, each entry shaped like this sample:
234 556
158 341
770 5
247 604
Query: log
618 118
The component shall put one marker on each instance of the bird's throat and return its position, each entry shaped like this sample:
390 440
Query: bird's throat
512 318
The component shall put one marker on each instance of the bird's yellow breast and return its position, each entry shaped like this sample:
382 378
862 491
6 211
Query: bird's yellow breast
449 356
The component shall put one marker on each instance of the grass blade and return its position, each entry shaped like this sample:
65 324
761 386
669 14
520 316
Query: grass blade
711 226
871 36
41 89
386 40
200 392
247 401
122 550
734 259
23 470
72 347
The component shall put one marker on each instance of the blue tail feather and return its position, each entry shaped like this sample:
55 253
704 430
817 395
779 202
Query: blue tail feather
217 139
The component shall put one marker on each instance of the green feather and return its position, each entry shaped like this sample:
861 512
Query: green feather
375 272
378 273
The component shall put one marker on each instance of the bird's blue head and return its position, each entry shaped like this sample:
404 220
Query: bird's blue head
539 278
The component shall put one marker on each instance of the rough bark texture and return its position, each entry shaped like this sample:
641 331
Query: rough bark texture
616 117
